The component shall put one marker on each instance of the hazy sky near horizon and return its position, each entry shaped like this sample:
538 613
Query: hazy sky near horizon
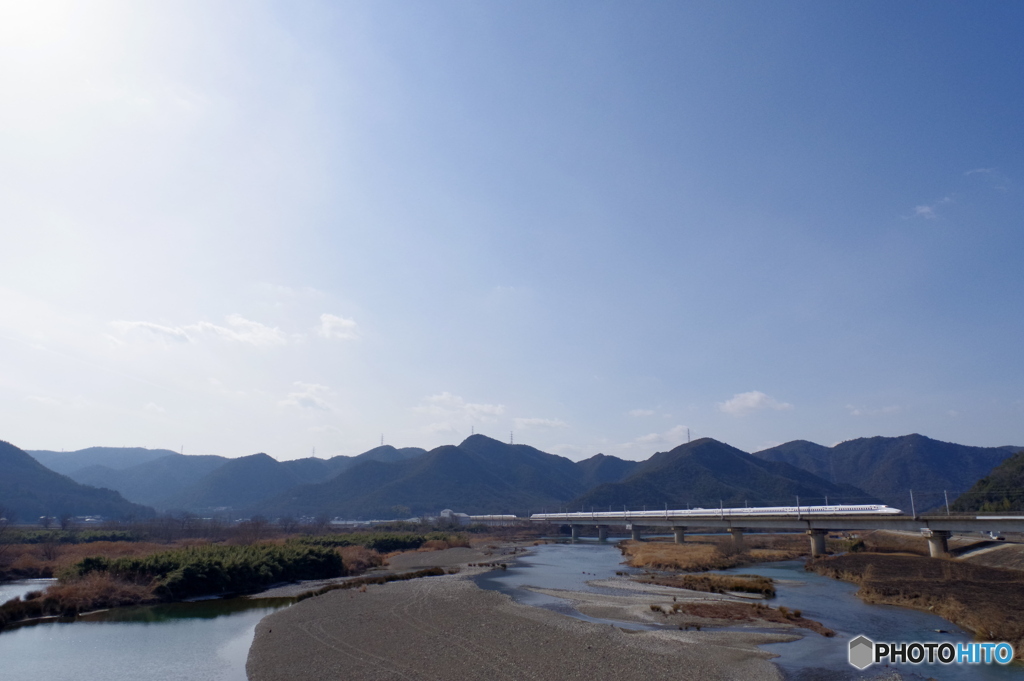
272 226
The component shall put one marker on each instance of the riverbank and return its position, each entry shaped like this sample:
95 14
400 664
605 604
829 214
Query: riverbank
448 628
986 601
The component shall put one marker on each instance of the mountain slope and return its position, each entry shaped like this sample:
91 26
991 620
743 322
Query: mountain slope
602 468
153 482
237 484
889 467
31 490
480 475
1000 491
117 458
707 473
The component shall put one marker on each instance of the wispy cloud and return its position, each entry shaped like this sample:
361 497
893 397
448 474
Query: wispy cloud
154 408
755 400
48 401
238 330
641 412
446 404
928 211
864 411
339 328
308 396
546 424
452 411
170 334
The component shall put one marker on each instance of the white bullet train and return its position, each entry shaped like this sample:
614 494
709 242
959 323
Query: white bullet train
799 511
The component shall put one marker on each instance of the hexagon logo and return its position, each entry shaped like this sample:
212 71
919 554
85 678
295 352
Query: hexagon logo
862 652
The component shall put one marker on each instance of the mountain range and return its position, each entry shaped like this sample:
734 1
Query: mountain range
169 481
890 467
482 475
708 473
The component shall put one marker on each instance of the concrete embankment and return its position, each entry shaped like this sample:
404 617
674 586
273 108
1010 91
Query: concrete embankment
446 628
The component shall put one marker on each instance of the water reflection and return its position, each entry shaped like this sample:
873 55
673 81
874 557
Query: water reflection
21 587
204 641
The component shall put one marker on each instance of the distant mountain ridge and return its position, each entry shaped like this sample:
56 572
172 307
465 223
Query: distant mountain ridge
170 481
890 467
708 473
29 490
482 475
116 458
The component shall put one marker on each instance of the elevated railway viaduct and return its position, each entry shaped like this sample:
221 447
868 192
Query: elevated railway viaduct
935 528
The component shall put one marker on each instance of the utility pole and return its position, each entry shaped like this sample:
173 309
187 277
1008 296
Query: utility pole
947 501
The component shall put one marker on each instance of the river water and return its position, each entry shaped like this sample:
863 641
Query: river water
209 640
829 601
203 641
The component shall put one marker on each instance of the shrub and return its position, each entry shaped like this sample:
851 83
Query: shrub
209 570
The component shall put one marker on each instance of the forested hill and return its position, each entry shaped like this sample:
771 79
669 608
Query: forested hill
480 475
29 490
889 467
707 473
999 491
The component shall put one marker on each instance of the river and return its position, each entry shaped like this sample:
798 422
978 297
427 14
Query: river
202 641
209 640
829 601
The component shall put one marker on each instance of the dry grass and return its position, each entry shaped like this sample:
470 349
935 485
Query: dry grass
880 541
95 591
986 601
47 560
99 590
359 559
726 612
718 584
712 554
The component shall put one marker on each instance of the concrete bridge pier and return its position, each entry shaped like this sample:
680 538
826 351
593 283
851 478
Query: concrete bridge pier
602 533
680 534
575 532
938 542
737 539
635 532
817 542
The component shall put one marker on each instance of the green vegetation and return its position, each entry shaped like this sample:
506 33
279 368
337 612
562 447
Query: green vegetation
208 570
69 537
1000 491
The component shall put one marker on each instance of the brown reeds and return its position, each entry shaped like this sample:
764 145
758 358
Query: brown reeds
718 584
359 559
95 591
699 556
986 601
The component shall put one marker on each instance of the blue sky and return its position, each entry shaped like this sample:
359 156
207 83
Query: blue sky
255 226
